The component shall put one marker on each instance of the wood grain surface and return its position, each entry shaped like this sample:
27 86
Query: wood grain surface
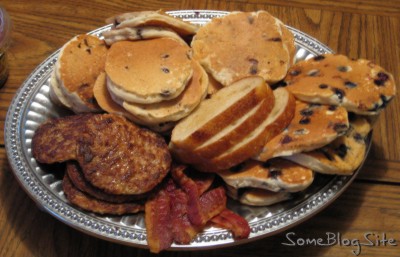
358 28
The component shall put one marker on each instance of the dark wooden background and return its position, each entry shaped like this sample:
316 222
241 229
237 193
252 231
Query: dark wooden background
357 28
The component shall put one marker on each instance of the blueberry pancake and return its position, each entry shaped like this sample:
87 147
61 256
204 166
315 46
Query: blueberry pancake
359 85
343 156
274 175
242 44
312 127
148 71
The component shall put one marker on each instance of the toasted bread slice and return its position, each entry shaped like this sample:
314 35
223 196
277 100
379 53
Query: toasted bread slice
275 175
279 118
221 110
234 133
312 127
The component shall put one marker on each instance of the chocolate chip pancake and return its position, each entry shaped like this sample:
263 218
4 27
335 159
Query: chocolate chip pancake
359 85
148 71
242 44
312 127
80 62
92 204
121 158
256 196
343 156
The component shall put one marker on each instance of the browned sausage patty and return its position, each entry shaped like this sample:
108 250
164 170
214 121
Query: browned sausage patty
89 203
121 158
79 181
56 139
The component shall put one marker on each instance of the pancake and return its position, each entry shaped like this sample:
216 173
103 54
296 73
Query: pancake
78 180
312 127
139 33
92 204
360 86
79 63
148 71
177 108
343 156
133 162
257 196
275 175
153 18
106 103
242 44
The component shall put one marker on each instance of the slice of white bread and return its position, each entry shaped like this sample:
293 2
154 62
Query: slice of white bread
222 109
279 118
235 132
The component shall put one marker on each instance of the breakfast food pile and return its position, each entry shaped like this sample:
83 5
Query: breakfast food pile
171 118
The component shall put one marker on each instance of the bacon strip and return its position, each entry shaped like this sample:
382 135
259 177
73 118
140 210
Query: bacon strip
158 221
200 208
229 220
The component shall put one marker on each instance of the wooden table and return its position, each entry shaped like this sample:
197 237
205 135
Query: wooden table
357 28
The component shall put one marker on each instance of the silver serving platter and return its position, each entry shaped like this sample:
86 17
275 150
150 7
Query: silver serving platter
31 106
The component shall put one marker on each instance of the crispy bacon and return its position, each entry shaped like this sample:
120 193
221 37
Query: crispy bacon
200 208
158 220
229 220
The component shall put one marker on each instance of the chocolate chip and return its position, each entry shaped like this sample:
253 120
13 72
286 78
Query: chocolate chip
332 107
165 70
126 67
89 50
79 45
304 120
165 56
254 66
307 112
323 86
339 92
319 58
237 168
294 72
313 73
275 173
341 150
382 78
343 68
85 42
350 84
275 39
286 139
340 127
